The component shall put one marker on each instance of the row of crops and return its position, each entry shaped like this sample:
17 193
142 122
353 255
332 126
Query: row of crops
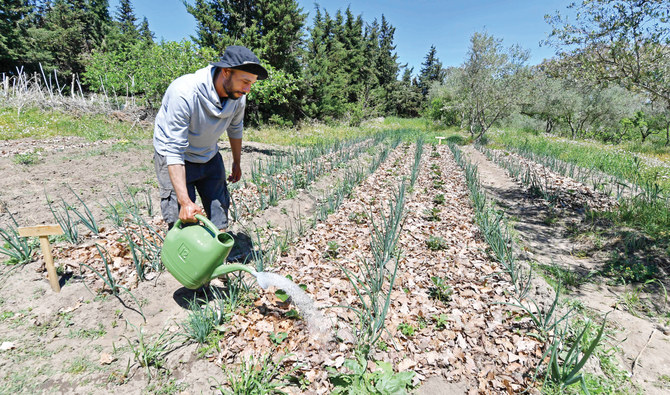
641 211
393 255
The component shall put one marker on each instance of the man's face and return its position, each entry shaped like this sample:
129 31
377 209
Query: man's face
237 83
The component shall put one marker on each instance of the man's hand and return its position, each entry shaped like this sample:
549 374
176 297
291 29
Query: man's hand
235 173
188 211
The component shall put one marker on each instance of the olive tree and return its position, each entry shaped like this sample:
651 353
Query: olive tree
491 82
622 41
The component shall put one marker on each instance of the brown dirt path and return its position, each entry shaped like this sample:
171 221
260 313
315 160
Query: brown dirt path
641 341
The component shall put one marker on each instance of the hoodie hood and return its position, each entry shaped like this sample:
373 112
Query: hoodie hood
191 119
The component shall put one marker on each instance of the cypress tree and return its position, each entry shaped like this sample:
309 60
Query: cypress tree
146 35
386 68
271 28
431 71
99 21
127 21
13 31
64 35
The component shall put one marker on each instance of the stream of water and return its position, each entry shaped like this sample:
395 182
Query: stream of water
316 322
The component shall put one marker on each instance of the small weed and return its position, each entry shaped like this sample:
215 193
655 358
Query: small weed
439 199
150 353
66 318
293 313
441 321
551 218
28 158
332 250
360 381
438 184
256 375
80 365
664 381
564 277
87 333
634 303
358 217
436 243
406 329
441 290
432 215
5 315
278 337
623 271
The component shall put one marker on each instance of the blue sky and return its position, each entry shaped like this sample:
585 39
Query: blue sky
419 23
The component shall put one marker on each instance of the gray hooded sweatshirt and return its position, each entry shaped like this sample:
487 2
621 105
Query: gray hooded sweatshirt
191 119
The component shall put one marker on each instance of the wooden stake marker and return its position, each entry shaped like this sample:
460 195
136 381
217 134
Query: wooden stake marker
43 232
439 139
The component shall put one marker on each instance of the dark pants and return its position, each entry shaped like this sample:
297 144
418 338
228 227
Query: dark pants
209 179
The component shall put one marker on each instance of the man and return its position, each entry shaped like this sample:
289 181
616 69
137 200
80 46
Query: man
196 109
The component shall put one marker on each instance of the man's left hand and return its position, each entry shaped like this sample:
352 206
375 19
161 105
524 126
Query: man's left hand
236 173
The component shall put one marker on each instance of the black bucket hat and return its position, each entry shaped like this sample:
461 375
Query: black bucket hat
241 58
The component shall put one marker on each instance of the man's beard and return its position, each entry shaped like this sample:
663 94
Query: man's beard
234 95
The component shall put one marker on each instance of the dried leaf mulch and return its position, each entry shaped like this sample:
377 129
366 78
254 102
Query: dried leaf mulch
569 193
471 336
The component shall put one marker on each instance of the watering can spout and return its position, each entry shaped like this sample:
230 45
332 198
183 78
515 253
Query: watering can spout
197 254
225 269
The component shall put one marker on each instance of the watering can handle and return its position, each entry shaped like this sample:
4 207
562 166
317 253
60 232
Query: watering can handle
208 224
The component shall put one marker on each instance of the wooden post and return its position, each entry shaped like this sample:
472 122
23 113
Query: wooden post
439 139
43 232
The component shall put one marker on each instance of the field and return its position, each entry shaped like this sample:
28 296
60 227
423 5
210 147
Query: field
435 268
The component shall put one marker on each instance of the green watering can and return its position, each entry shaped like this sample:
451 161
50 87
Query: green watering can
197 254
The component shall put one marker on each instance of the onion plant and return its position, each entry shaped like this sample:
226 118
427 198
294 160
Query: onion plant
62 216
565 355
374 283
86 218
19 249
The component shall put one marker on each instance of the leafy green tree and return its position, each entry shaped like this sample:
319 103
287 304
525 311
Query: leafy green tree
447 103
431 71
142 71
622 41
545 97
491 81
579 107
